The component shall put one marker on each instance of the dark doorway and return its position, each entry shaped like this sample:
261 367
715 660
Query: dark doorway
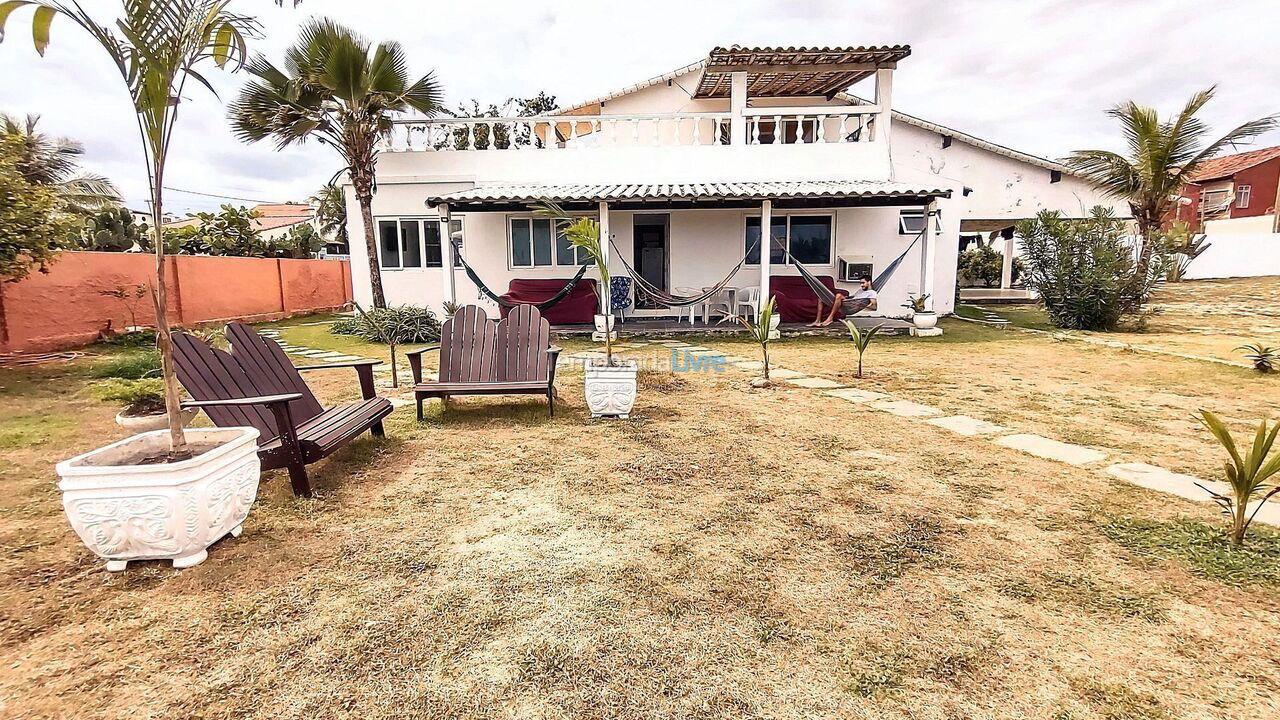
650 255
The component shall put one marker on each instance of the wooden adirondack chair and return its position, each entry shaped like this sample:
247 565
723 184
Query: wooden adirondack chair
479 357
256 385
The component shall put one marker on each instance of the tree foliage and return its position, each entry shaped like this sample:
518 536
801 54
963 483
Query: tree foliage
31 229
982 264
113 230
1087 271
54 162
331 213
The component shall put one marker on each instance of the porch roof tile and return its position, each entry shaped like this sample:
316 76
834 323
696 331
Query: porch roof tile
774 190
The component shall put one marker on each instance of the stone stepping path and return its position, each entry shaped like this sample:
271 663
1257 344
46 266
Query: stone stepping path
1153 477
965 425
1048 449
782 373
813 383
855 395
905 408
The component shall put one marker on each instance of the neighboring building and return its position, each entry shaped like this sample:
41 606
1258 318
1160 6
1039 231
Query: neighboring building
275 220
1234 194
684 169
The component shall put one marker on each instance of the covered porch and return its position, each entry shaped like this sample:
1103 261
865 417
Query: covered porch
685 240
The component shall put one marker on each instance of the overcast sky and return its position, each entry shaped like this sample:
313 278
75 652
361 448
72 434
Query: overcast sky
1035 75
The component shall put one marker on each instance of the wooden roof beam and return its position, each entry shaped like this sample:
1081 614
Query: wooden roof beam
805 68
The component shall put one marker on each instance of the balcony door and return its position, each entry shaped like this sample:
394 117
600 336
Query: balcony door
650 253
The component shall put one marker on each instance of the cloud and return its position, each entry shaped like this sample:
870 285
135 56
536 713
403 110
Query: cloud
1034 75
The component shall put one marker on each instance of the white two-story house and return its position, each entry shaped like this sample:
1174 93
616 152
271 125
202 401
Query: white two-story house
683 170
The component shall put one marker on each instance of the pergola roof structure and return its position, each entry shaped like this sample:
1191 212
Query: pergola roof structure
791 72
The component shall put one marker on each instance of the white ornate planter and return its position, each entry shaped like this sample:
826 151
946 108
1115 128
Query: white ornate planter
924 320
168 511
158 421
610 389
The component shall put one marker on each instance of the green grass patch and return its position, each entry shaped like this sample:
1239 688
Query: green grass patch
1114 701
1203 548
34 430
128 365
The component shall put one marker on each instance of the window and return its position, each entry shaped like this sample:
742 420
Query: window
412 242
911 222
1212 200
808 237
533 244
1242 196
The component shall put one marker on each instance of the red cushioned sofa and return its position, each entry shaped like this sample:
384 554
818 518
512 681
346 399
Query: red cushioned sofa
579 307
794 300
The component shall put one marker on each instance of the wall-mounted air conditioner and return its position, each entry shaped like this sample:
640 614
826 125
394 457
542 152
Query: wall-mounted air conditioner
853 268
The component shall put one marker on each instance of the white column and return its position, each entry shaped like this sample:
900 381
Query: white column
884 101
766 247
928 252
1006 271
737 103
446 254
605 301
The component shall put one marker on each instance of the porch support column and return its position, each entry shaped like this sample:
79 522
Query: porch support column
605 300
446 254
928 251
884 103
766 248
737 103
1006 268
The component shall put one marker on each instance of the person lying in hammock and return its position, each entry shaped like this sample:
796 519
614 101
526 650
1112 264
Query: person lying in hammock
864 298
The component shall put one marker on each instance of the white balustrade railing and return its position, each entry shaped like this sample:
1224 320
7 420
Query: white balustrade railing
552 132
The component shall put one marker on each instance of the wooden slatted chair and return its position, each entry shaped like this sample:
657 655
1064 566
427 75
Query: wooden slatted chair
256 385
479 357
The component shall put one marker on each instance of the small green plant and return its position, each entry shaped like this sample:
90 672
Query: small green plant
130 297
584 234
1245 473
916 303
861 340
1264 358
760 331
451 308
140 397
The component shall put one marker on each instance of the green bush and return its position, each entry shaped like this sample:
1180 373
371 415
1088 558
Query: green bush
140 397
1086 271
982 264
129 366
404 324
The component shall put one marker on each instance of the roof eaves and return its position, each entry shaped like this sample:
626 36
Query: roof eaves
639 86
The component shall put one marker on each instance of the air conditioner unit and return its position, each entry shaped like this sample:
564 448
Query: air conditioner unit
853 268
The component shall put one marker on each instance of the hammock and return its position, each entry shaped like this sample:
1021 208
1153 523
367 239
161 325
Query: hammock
664 298
825 294
484 289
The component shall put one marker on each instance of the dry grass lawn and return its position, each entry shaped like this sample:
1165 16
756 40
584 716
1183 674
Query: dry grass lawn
726 553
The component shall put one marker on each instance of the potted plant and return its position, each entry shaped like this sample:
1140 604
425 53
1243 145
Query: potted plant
164 494
143 400
610 385
921 317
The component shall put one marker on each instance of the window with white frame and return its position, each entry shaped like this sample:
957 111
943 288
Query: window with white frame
911 221
1212 200
810 238
409 243
541 242
1242 196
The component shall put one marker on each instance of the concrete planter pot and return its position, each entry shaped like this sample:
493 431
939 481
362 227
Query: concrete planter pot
163 511
610 389
157 421
924 320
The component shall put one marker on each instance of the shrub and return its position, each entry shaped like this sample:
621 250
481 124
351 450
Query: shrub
1086 271
982 264
140 397
408 324
129 366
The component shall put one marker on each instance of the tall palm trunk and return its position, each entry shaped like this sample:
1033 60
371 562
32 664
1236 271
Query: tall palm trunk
178 449
363 164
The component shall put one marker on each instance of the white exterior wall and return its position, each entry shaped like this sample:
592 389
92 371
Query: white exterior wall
1255 225
1237 255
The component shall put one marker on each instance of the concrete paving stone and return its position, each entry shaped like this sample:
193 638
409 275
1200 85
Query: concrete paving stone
965 425
905 408
814 383
1154 477
783 374
856 395
1051 449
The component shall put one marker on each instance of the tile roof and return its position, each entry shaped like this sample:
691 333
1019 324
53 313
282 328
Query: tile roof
781 190
1228 165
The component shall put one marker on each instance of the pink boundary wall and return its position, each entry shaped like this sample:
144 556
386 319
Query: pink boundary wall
65 307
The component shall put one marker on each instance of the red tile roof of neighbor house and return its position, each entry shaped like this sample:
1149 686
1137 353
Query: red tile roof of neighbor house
1228 165
278 215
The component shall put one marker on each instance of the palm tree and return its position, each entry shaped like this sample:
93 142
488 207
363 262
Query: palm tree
1162 156
331 213
337 89
157 46
55 162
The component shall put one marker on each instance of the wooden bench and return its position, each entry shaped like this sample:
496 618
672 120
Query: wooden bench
480 357
256 385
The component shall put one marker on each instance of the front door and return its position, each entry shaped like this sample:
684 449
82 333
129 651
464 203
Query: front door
650 253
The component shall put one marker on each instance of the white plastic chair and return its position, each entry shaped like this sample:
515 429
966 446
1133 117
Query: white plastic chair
692 309
721 300
748 298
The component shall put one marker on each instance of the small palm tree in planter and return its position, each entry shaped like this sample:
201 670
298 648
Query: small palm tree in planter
921 316
761 330
610 386
164 494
